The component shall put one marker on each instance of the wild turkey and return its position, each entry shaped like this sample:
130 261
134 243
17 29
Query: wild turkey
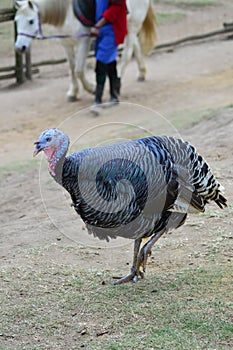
135 189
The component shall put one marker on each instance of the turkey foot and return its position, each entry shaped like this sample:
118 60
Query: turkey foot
135 272
132 276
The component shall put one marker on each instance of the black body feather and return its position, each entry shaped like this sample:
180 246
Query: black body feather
137 188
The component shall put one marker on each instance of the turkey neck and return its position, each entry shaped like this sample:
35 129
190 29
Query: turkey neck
57 158
59 169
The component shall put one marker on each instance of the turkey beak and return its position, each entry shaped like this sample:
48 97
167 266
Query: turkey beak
37 148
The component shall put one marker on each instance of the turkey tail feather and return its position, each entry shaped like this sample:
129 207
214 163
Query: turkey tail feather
221 201
197 202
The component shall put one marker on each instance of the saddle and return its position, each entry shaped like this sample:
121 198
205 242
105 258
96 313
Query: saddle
84 10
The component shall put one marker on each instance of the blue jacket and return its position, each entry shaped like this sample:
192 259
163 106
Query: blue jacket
106 48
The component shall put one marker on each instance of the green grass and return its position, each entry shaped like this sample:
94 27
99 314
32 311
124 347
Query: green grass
177 120
229 106
7 33
6 30
165 18
191 3
185 119
64 308
6 4
17 166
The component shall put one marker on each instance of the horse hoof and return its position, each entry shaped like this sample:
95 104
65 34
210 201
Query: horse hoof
141 79
72 99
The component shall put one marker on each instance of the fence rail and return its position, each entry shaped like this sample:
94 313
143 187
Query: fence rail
23 68
6 15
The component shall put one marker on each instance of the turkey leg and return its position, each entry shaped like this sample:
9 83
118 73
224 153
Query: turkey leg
133 275
146 251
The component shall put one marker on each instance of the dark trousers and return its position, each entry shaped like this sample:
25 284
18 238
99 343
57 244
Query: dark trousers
103 70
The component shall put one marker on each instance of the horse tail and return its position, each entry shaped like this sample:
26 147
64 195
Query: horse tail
148 34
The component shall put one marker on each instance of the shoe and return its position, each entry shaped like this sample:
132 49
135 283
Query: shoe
112 102
95 108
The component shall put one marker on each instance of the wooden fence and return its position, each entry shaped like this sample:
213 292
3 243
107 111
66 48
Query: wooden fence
24 68
20 70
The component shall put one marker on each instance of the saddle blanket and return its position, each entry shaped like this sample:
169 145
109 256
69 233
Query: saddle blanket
84 10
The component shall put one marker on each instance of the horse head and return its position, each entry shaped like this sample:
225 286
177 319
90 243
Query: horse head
27 24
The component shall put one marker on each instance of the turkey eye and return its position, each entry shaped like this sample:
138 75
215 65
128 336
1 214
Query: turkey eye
48 139
31 21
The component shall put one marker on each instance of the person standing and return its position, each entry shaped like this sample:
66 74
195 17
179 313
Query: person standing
110 31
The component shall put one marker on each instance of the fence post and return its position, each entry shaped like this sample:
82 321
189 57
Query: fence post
28 72
18 58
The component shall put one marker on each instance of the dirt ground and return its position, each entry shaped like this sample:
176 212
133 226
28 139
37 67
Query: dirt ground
188 93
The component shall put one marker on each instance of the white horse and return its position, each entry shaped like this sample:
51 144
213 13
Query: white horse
75 36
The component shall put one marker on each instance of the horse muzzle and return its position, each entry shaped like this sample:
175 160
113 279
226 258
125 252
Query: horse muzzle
22 46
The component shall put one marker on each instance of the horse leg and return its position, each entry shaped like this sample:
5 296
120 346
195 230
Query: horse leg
126 54
74 88
140 59
132 46
82 50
